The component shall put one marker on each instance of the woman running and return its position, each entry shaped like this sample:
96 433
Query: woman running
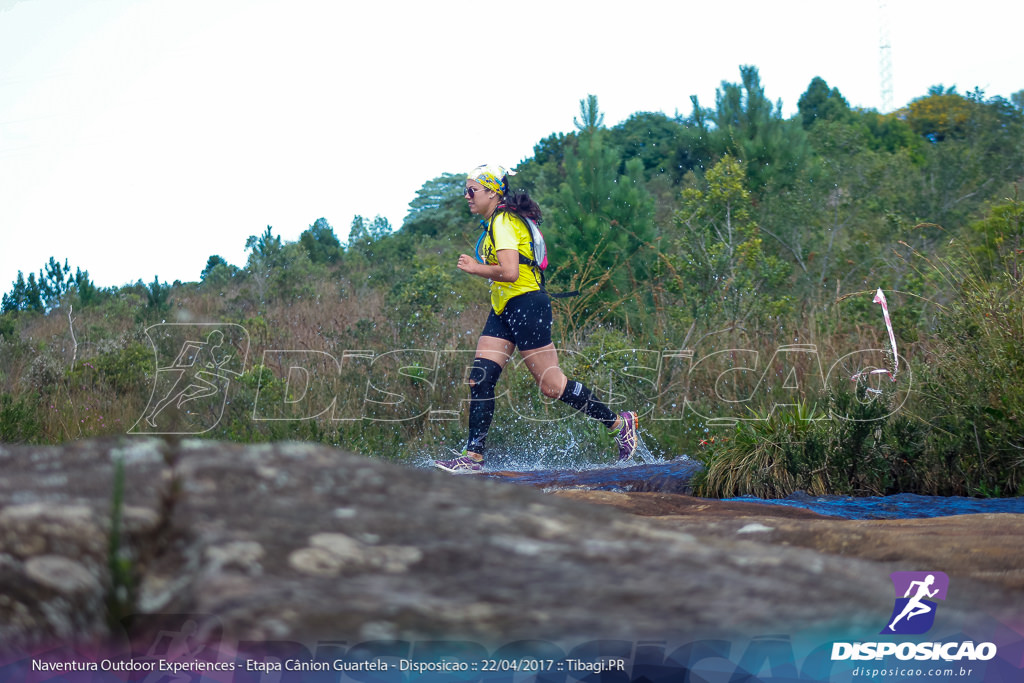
520 318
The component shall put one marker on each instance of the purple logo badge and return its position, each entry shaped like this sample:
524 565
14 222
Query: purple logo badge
914 610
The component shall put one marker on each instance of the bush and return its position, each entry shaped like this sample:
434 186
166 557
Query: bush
425 299
124 370
18 420
770 456
861 447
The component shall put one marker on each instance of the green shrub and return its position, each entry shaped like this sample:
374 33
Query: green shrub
863 446
128 369
855 460
18 420
768 456
423 299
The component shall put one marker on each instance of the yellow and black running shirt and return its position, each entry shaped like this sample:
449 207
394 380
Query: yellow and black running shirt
510 232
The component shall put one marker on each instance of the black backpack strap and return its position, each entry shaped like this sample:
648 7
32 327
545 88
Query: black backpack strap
523 258
526 260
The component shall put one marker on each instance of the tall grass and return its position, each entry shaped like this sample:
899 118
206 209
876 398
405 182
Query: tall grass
768 456
957 431
973 400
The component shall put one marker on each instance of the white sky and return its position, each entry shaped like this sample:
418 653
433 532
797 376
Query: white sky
138 137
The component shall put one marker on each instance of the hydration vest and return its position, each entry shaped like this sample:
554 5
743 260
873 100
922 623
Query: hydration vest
539 262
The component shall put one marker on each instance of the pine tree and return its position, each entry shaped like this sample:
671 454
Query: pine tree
601 218
750 128
320 242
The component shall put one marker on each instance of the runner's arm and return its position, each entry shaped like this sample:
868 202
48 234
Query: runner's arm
507 269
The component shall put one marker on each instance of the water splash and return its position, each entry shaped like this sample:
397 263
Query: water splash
570 454
644 453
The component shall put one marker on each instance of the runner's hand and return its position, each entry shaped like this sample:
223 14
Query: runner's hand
467 263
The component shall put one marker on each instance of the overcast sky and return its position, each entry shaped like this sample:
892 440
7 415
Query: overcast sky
138 137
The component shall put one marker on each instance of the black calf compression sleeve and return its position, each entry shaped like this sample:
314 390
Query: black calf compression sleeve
582 399
482 379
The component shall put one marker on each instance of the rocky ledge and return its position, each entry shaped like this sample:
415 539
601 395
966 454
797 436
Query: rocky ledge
302 542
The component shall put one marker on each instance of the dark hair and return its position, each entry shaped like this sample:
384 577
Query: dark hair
521 203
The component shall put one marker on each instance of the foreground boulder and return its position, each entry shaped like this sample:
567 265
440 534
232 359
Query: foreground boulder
306 543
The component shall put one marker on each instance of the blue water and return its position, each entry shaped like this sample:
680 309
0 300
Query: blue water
666 477
673 476
899 506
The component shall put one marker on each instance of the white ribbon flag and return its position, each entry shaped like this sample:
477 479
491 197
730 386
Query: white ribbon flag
880 299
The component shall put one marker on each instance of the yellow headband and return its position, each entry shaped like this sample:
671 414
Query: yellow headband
491 176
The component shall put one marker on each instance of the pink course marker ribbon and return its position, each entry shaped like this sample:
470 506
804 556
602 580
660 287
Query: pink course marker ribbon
880 299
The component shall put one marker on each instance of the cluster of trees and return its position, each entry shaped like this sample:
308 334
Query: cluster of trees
54 283
730 225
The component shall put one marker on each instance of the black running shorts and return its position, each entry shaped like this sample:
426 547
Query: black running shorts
526 321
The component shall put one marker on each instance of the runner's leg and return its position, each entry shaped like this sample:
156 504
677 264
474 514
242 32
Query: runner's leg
492 354
543 365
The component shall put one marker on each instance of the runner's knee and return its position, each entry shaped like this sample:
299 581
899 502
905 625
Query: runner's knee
483 377
552 384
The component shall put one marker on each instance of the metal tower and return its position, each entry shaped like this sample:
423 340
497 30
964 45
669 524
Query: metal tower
884 57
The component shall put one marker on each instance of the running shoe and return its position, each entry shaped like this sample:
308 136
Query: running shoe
626 437
464 464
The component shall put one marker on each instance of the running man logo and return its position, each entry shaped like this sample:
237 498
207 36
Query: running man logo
194 367
914 610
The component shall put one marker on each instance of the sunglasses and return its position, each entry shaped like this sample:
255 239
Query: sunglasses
469 192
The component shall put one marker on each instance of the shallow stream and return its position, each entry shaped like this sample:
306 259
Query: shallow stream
673 476
899 506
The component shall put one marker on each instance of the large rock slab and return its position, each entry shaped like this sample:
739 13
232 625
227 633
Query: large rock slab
305 543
